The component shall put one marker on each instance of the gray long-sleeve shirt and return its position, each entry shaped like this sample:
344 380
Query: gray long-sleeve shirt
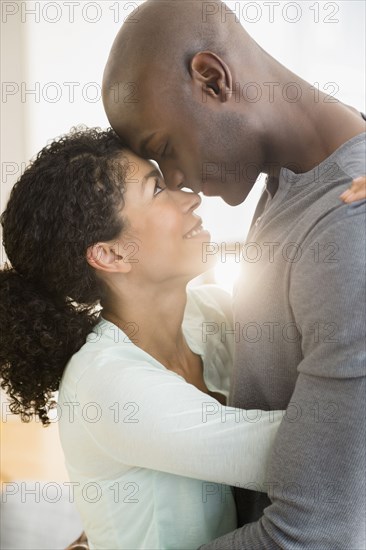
300 345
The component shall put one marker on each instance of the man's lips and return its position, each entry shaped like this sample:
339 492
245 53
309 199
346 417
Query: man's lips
204 187
207 190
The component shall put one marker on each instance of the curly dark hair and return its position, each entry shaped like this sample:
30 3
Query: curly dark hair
68 199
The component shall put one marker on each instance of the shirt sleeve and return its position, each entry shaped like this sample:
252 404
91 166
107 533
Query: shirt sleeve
316 477
166 424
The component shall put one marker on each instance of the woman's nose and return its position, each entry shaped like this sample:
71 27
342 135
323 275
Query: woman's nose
187 200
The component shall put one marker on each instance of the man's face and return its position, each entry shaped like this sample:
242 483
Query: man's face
193 146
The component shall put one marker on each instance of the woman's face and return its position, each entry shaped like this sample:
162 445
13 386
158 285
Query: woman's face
164 240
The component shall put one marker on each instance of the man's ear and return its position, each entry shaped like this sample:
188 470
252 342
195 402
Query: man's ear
108 257
212 74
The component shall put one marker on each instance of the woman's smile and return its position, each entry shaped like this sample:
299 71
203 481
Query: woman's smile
196 230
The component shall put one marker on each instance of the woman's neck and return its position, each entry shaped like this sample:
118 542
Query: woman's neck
152 318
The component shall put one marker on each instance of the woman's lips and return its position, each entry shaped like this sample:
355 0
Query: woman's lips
198 231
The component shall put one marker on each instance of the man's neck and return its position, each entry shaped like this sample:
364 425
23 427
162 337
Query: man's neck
311 133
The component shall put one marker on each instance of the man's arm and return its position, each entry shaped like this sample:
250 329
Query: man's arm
316 478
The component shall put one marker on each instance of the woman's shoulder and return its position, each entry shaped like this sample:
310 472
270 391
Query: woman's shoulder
210 302
107 353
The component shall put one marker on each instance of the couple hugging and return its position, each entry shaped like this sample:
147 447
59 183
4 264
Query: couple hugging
174 441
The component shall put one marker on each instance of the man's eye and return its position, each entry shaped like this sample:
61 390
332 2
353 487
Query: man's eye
158 188
162 150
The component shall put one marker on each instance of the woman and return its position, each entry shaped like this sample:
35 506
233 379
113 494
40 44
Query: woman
95 305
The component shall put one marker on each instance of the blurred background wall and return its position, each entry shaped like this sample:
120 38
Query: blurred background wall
52 59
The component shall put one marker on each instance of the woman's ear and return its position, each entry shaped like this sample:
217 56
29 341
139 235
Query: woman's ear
212 74
108 257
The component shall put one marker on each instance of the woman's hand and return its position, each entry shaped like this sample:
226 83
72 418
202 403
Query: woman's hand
356 192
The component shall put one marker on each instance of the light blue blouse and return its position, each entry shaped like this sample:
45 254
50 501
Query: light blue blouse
150 457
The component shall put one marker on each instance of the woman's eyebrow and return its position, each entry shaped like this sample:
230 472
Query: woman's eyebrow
153 174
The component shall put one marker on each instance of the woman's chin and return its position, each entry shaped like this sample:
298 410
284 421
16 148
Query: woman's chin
203 267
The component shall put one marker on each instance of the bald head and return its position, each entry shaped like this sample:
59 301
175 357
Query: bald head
168 90
169 33
164 35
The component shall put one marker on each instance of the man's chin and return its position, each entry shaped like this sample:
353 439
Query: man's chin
233 201
232 197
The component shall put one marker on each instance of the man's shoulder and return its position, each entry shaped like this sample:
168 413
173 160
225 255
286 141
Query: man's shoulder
342 222
317 208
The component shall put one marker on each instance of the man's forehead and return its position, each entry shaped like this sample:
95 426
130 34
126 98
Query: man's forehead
127 89
136 108
131 125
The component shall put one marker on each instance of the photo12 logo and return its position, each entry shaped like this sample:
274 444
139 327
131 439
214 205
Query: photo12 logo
71 92
121 11
289 12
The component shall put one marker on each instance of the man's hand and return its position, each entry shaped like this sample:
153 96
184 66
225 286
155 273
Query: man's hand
356 192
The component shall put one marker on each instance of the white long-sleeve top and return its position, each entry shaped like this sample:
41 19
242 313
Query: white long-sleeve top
150 456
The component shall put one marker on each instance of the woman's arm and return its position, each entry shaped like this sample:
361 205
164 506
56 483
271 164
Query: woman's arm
356 192
164 423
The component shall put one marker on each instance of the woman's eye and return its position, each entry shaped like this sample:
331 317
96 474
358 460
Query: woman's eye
158 188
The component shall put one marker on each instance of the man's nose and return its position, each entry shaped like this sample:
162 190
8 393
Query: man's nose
174 178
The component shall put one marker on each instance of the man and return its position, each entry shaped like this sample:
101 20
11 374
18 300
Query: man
178 88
